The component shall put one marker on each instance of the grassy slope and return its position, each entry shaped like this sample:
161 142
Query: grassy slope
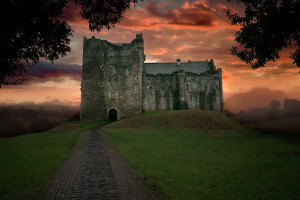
204 161
179 119
29 162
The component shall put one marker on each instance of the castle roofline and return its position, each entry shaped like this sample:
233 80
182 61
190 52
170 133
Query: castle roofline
197 67
190 62
120 44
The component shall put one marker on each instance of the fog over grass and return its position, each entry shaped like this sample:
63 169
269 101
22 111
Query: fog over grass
29 117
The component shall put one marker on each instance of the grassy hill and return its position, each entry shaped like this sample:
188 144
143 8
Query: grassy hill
205 155
184 119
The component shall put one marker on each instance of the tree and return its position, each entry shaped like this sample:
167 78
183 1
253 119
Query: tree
267 27
274 105
36 29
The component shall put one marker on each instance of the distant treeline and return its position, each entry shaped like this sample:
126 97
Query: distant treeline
23 118
272 119
291 107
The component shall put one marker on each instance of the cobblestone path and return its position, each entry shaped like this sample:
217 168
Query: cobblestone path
129 186
61 186
96 171
95 179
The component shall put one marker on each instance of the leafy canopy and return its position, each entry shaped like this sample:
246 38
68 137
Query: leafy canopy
36 29
267 27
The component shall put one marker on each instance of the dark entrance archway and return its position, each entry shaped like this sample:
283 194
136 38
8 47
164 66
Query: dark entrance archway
112 115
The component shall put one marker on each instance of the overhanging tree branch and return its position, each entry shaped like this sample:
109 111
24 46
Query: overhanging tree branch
16 82
267 27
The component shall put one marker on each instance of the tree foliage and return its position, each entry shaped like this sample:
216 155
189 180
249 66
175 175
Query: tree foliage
35 29
274 105
103 13
267 27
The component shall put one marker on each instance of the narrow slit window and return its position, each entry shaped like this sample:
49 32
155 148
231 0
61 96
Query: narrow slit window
150 90
187 87
111 71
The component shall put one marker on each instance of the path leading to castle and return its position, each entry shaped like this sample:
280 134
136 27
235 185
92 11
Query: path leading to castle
95 170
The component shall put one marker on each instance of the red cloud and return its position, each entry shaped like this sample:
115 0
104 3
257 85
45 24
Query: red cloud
71 14
222 7
187 15
44 71
159 51
197 13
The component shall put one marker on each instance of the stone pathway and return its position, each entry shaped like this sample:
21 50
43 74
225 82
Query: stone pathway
61 186
95 179
96 171
129 186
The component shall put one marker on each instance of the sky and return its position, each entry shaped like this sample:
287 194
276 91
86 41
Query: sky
193 30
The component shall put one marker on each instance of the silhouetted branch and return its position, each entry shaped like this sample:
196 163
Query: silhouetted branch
16 82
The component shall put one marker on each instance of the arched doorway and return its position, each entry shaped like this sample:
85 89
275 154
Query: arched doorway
112 115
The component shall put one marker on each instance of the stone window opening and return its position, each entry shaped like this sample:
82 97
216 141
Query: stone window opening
101 67
100 84
136 88
187 87
111 70
111 53
137 79
126 72
114 95
151 90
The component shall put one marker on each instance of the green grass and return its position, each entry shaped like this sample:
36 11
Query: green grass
207 162
29 162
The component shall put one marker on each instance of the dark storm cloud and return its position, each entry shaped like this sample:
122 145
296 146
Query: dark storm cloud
45 71
196 13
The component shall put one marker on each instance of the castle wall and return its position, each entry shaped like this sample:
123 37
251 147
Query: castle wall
127 79
163 94
92 95
182 91
112 78
203 92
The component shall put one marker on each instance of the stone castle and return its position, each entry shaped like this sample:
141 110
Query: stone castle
116 83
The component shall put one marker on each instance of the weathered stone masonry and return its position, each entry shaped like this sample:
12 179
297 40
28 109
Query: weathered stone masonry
116 83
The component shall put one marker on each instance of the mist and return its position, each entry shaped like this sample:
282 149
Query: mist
29 117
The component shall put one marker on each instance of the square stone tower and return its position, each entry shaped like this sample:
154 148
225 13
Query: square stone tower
111 79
